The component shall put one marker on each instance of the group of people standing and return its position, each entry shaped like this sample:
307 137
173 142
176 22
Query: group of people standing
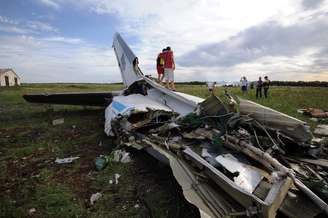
260 85
165 67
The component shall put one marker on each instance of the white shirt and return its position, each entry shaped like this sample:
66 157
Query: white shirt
210 85
243 82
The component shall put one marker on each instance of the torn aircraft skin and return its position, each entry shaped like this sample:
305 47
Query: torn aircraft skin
229 163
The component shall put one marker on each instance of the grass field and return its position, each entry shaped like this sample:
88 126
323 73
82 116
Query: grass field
29 144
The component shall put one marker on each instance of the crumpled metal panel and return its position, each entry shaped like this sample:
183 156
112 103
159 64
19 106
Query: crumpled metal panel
125 105
291 126
248 177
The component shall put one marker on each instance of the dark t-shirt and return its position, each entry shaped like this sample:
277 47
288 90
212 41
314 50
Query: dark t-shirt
259 84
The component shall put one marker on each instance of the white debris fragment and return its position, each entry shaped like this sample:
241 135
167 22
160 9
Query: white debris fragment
58 121
248 177
117 155
116 176
111 181
65 160
126 158
205 153
314 119
321 130
121 156
95 197
317 140
136 206
31 211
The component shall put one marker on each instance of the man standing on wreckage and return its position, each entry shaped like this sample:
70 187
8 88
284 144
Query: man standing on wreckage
227 163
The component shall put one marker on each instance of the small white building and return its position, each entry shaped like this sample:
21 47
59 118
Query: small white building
8 77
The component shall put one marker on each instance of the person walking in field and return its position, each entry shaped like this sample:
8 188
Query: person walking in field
259 86
244 84
169 67
211 86
160 66
266 86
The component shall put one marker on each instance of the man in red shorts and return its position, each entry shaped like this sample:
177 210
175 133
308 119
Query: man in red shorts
169 67
160 66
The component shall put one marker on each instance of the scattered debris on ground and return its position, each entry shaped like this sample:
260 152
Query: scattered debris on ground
316 115
95 197
58 122
121 156
321 130
314 112
31 211
65 160
116 177
102 161
253 154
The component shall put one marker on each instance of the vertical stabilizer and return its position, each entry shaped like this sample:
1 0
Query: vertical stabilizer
125 59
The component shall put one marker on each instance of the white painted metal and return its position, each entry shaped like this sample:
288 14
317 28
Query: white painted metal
125 58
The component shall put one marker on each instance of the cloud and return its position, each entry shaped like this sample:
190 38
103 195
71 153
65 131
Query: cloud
25 27
63 40
211 39
186 25
50 3
268 39
41 26
311 4
6 20
60 59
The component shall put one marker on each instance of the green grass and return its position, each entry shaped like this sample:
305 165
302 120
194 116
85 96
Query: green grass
29 144
283 99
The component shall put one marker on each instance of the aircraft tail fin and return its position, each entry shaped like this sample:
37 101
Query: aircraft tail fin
125 58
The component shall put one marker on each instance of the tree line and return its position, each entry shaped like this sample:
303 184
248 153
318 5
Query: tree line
274 83
300 83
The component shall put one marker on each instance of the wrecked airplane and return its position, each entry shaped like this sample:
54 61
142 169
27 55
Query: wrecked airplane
235 159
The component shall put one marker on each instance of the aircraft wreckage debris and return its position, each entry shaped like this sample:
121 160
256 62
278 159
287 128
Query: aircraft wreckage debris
95 197
248 159
321 130
116 156
58 122
233 159
65 160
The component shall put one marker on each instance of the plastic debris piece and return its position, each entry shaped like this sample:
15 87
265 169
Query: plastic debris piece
65 160
95 197
111 181
101 162
58 121
31 211
321 130
116 176
136 206
126 157
121 156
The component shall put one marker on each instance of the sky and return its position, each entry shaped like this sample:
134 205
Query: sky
212 40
